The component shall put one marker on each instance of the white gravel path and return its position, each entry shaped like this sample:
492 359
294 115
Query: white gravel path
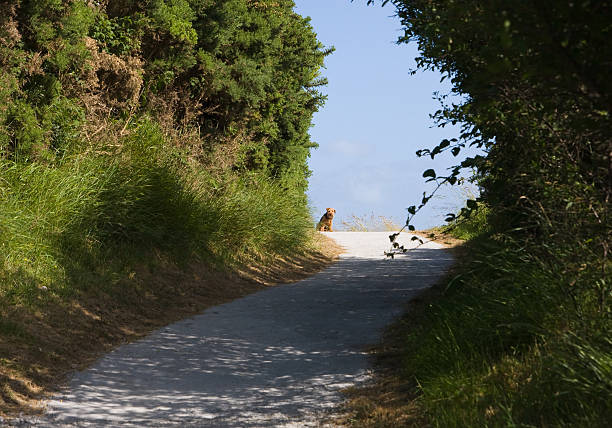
277 358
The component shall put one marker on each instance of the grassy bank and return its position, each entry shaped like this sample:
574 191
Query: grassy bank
500 342
107 243
62 221
503 346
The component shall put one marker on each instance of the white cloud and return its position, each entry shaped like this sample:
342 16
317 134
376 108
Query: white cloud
348 148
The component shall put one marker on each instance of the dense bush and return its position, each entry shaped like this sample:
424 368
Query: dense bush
216 68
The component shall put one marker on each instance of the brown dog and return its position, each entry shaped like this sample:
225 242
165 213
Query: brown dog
325 224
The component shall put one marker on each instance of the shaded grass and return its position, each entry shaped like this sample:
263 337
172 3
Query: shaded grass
496 349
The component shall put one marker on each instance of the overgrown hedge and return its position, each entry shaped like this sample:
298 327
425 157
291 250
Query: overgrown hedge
522 337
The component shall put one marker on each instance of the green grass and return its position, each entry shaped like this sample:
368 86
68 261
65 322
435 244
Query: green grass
85 220
471 227
505 346
119 237
520 336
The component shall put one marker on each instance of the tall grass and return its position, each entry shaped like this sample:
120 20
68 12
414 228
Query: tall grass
509 343
78 222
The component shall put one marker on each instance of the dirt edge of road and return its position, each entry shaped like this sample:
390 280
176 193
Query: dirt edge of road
387 399
72 336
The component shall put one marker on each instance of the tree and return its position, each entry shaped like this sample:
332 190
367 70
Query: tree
536 82
226 69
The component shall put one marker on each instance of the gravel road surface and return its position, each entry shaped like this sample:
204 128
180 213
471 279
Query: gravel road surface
276 358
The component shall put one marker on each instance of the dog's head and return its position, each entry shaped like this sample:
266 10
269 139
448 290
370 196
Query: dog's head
329 213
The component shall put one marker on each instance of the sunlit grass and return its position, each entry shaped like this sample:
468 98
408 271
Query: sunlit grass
83 221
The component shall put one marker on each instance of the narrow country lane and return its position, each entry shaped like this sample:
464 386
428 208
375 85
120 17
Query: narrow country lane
277 358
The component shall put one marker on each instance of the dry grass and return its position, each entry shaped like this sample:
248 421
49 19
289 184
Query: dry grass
46 346
371 223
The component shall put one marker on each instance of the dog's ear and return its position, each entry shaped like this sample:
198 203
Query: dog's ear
334 210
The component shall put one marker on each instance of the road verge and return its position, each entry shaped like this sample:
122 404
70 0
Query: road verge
70 335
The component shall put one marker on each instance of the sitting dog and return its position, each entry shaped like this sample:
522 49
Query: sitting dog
325 224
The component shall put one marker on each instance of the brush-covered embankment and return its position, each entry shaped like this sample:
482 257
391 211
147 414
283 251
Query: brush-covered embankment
152 163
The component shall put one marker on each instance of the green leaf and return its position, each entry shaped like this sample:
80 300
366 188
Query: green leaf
429 173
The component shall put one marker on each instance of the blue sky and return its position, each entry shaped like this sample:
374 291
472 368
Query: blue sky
375 118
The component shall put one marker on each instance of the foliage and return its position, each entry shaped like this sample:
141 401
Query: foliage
535 101
92 211
131 128
534 89
220 67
